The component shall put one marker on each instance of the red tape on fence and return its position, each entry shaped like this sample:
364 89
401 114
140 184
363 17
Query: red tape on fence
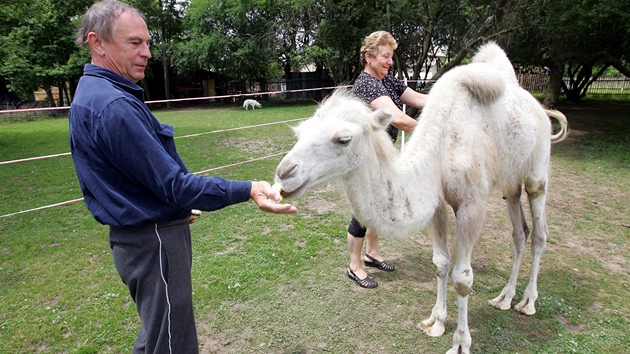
25 110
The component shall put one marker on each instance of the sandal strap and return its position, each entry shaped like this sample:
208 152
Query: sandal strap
367 282
384 265
372 259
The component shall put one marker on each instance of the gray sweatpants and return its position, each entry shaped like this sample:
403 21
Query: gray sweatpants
155 265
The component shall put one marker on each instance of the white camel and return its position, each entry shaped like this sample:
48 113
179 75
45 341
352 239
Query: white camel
478 131
251 103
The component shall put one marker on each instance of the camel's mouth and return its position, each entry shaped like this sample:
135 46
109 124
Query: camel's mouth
293 193
287 195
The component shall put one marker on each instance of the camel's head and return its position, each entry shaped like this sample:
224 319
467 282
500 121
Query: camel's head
331 144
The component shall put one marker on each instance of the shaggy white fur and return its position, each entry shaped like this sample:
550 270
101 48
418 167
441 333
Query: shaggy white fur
478 131
251 103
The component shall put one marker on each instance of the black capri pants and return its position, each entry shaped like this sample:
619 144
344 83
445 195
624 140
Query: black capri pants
356 229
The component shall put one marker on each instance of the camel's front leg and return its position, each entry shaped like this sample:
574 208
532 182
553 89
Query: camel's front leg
438 228
470 219
461 338
463 280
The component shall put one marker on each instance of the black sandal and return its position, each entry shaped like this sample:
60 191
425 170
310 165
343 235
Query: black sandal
367 282
384 265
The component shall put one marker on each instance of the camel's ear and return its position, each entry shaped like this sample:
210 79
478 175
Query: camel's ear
381 118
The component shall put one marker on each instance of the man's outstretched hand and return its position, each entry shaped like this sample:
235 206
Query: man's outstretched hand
268 200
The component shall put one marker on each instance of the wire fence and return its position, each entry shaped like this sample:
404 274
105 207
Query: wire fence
210 98
297 93
36 158
610 86
534 83
537 83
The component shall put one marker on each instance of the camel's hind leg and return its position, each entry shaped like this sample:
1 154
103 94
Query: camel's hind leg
520 231
438 228
537 194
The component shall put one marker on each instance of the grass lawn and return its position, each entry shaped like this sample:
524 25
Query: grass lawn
267 283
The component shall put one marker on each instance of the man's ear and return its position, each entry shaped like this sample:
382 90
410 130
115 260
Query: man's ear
95 43
381 118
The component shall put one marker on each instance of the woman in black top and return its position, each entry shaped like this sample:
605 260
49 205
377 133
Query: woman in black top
380 90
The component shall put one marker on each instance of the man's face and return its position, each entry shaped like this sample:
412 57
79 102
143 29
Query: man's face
129 52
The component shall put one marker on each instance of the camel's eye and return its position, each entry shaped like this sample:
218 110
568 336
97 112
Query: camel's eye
344 140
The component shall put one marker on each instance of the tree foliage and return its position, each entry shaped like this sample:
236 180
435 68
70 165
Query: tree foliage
259 40
341 30
37 43
574 39
164 19
233 37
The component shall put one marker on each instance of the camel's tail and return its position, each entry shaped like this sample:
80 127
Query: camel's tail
563 133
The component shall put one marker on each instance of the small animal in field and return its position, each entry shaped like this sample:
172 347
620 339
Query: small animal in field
478 132
251 103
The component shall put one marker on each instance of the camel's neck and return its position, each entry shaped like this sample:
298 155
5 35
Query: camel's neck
394 193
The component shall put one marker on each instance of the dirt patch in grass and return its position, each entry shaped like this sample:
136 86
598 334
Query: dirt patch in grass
317 201
577 198
251 145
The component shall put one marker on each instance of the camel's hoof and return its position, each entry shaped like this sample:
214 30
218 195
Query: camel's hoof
431 328
501 302
525 307
426 324
458 349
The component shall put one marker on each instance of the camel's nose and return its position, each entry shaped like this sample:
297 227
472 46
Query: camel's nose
286 169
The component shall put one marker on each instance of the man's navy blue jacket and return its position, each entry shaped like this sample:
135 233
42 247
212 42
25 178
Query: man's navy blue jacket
128 167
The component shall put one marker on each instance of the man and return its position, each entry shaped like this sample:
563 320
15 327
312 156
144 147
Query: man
134 180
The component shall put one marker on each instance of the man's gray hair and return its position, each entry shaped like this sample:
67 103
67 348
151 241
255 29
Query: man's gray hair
100 18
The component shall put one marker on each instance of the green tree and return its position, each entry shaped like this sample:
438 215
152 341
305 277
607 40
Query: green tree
294 27
453 27
232 37
256 40
341 30
37 42
422 29
165 21
574 39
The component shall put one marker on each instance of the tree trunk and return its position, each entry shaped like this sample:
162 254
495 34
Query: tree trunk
426 42
552 59
49 97
167 78
73 89
554 87
65 91
61 88
147 92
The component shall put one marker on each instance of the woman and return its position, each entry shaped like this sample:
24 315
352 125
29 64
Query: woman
380 90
